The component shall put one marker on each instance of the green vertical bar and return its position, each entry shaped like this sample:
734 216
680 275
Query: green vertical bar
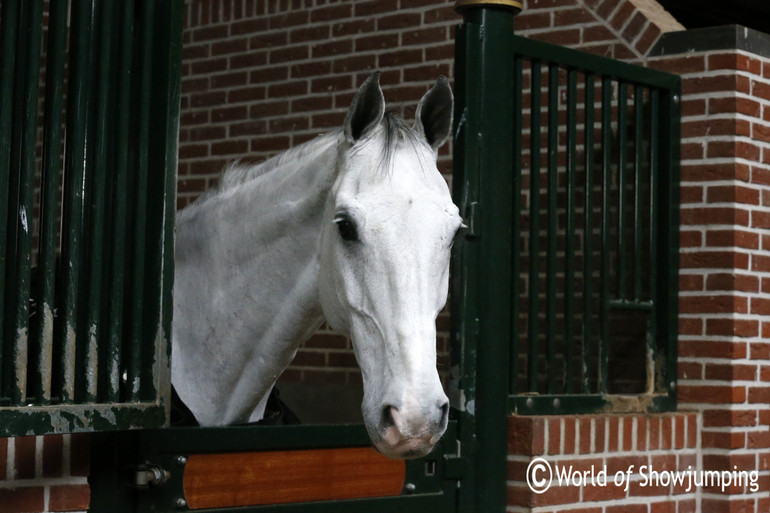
112 356
605 209
588 231
667 198
8 21
30 31
622 159
553 223
655 159
76 168
518 107
49 197
569 250
102 35
487 169
31 78
638 164
139 221
534 226
464 257
162 199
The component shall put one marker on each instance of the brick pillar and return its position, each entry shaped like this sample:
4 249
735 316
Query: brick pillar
724 348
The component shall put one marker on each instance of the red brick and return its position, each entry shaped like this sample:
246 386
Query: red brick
69 498
689 326
25 457
648 38
554 435
727 418
232 45
711 394
3 457
712 349
566 37
529 20
732 327
760 219
760 306
732 282
356 26
566 17
22 500
730 372
331 13
618 16
557 495
690 370
697 216
603 493
760 89
614 434
758 440
759 395
713 260
732 194
732 104
53 456
635 27
668 506
291 18
584 424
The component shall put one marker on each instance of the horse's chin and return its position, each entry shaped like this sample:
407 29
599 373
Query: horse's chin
394 446
404 451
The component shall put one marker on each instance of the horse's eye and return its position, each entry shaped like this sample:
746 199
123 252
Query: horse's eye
347 229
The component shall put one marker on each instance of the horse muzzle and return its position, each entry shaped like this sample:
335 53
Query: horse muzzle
407 433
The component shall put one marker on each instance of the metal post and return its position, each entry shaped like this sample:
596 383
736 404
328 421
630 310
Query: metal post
484 185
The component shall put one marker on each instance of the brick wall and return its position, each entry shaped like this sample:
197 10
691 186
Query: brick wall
724 349
591 444
44 473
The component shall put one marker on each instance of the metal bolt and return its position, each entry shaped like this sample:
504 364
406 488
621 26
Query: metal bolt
556 403
530 402
676 98
410 487
180 503
672 385
181 461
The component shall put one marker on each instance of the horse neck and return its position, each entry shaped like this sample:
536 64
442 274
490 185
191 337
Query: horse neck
253 249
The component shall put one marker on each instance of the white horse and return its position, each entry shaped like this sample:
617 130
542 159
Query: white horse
355 226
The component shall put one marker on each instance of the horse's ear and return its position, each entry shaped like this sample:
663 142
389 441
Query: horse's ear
366 110
434 113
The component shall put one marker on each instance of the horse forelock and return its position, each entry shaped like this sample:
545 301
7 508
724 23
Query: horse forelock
394 134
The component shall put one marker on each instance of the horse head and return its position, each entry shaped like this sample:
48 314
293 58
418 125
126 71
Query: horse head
388 226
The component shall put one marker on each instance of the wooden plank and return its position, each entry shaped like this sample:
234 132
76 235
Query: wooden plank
278 477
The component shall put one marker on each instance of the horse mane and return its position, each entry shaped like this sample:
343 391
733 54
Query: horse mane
395 129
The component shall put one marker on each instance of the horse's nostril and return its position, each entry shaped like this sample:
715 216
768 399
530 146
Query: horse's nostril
386 419
444 412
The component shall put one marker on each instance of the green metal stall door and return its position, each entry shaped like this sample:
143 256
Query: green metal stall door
89 103
565 286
